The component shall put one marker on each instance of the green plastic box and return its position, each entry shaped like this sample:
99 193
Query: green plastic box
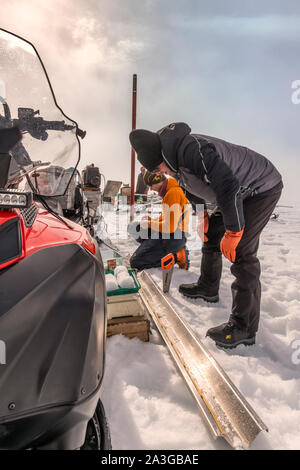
122 291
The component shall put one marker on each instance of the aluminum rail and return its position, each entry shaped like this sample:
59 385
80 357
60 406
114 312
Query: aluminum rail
225 411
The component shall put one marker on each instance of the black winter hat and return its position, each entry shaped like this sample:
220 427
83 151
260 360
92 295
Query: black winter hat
148 148
153 178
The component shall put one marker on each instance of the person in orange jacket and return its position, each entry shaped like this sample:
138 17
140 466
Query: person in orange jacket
166 234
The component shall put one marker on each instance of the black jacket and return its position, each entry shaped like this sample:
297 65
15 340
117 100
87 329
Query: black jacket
217 171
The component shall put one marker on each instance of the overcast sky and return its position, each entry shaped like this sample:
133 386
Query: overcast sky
225 67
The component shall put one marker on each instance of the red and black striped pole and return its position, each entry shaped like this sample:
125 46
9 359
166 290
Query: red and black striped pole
134 93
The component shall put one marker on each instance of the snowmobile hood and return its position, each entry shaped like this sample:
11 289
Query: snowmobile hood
171 137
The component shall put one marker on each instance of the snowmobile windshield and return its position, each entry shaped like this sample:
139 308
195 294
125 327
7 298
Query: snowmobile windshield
47 156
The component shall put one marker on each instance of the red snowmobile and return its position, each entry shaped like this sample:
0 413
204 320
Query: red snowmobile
52 283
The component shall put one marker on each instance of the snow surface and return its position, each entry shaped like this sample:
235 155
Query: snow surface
146 400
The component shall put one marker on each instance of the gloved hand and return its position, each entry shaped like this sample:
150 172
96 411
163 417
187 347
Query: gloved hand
229 243
203 225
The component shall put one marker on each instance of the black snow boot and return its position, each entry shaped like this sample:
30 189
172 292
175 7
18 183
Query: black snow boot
228 336
196 291
207 287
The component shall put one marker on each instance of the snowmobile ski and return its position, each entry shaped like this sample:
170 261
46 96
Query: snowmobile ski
225 411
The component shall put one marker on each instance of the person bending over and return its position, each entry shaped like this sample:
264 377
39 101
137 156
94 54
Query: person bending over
245 188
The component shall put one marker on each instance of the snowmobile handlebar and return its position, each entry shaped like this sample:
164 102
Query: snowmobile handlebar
29 121
36 126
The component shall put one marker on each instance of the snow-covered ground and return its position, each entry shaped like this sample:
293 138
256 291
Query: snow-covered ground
147 402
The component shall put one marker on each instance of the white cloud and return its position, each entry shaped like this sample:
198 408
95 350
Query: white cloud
269 27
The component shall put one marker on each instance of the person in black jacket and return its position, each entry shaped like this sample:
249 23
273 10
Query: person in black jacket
245 187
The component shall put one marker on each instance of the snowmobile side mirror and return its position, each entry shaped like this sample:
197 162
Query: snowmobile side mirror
80 133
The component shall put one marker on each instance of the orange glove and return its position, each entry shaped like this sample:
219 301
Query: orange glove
203 224
229 243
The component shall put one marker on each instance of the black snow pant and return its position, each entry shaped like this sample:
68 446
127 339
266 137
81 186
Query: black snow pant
246 288
152 250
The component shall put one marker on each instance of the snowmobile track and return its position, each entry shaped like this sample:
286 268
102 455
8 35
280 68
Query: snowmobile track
225 411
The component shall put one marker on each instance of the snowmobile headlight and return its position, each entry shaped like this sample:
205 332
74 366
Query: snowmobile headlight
10 198
14 199
6 199
22 200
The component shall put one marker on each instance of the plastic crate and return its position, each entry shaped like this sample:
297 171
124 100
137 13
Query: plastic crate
122 291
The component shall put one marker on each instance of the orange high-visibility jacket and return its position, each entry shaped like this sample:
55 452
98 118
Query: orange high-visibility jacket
175 211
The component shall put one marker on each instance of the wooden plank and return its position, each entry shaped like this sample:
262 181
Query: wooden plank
131 327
